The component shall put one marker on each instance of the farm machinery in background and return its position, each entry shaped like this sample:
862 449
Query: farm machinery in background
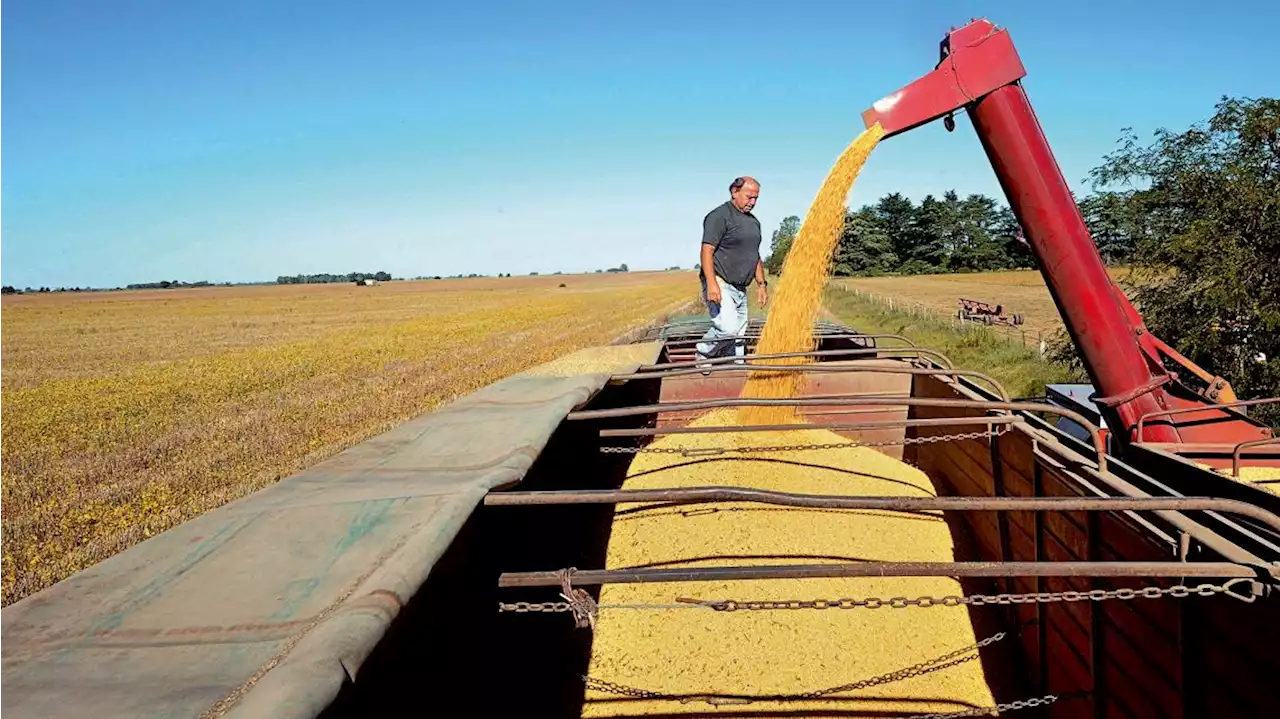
987 314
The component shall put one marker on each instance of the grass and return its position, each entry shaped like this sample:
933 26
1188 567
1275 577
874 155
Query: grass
127 413
1020 291
1019 368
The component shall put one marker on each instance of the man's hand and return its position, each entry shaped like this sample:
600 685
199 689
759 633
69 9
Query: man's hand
762 288
713 292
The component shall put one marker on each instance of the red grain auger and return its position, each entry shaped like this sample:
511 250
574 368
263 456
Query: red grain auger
1150 395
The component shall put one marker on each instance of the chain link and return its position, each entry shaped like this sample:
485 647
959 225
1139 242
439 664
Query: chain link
997 709
951 600
712 451
950 659
945 661
557 607
608 687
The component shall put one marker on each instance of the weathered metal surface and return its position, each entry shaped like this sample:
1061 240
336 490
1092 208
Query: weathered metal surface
821 354
819 401
898 368
834 426
730 384
881 569
698 495
267 605
1179 660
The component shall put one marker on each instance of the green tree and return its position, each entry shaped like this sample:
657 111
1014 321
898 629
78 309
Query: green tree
1016 251
927 248
974 246
781 243
1207 262
1110 220
864 248
896 217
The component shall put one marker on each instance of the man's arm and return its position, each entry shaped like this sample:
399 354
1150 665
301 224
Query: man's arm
762 287
713 228
709 273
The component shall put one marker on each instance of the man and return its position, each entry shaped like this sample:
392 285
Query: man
730 259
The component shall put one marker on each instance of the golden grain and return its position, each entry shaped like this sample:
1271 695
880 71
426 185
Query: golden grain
699 652
789 327
1262 477
610 359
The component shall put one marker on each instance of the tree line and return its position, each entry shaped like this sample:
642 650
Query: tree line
167 285
325 278
949 234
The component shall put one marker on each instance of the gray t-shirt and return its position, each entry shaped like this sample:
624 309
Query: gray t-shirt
736 237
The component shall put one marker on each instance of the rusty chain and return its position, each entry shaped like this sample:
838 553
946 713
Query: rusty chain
997 709
937 664
977 600
712 451
952 600
950 659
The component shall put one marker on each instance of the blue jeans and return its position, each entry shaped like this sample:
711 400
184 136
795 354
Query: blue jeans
729 322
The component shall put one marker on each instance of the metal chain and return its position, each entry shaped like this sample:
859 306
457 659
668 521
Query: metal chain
557 607
607 687
623 690
950 659
951 600
711 451
997 709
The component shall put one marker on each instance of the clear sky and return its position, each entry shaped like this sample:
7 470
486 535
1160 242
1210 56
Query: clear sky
238 140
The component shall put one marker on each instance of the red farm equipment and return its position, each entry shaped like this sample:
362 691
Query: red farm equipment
987 314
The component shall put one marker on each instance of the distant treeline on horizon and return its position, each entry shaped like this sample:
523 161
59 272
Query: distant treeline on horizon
298 279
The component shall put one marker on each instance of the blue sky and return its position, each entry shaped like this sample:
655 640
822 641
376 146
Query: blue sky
237 141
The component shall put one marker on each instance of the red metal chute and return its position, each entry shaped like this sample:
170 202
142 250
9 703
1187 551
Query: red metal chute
979 72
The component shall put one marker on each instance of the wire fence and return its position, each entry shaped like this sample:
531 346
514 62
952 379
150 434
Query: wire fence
1032 338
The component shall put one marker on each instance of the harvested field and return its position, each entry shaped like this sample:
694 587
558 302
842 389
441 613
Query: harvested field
126 413
1020 291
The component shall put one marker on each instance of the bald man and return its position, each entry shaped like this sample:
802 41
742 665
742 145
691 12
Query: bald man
730 260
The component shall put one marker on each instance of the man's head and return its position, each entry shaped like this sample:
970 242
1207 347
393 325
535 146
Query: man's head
743 192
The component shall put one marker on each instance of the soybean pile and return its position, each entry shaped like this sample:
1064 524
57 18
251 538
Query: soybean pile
789 327
689 656
1267 478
